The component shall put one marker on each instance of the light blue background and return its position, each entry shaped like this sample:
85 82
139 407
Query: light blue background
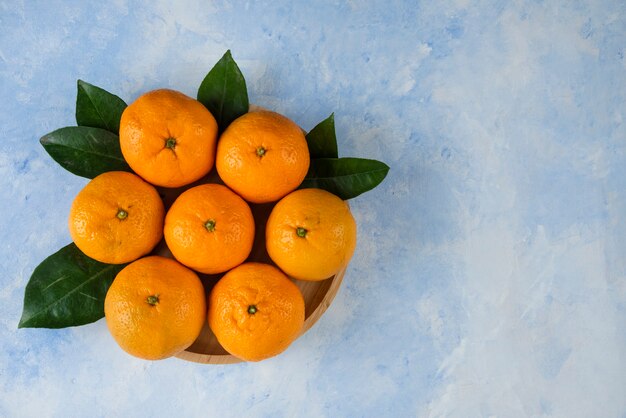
490 273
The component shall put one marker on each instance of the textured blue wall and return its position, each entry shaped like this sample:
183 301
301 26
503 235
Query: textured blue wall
490 273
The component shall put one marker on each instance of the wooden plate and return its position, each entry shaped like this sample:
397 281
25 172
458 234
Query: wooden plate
317 295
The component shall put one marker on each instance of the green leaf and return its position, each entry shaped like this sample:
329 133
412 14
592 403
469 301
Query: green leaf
223 91
322 140
97 108
345 177
67 289
86 152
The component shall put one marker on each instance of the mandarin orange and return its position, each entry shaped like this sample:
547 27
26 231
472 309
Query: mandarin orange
209 229
116 218
262 156
168 138
310 234
255 311
155 308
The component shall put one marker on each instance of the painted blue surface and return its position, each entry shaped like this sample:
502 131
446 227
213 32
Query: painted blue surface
490 273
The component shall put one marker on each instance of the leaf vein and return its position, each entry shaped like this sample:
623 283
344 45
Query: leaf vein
349 175
99 154
56 281
93 104
224 88
88 296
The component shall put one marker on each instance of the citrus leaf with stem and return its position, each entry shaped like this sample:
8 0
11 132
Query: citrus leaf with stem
322 140
223 91
97 108
85 151
345 177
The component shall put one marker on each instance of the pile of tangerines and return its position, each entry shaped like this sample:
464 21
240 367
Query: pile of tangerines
156 306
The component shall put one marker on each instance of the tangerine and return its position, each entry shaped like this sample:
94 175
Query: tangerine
209 229
168 138
262 156
116 218
255 311
310 234
155 308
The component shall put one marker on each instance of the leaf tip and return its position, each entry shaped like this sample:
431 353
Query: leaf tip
23 323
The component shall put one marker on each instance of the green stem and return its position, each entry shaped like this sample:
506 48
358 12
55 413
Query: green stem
210 225
170 143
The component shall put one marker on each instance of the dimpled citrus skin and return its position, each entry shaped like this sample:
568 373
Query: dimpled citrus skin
161 115
329 234
116 218
160 327
209 229
278 314
282 165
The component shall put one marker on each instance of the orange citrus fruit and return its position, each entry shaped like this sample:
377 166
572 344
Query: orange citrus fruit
168 138
209 229
262 156
116 218
255 311
310 234
155 308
